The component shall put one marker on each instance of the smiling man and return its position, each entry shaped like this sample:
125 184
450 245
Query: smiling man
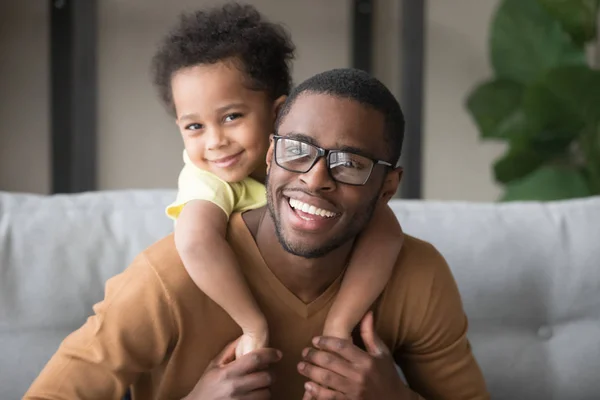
329 166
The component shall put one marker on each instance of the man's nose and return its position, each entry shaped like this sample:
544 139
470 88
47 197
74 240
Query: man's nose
215 139
318 178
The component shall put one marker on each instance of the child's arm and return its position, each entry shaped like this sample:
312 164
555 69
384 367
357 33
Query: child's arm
200 240
370 268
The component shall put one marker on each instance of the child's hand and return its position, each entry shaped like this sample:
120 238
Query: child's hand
249 342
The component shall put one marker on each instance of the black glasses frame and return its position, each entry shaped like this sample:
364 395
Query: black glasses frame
321 152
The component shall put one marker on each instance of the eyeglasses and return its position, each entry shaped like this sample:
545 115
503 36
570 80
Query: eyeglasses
345 167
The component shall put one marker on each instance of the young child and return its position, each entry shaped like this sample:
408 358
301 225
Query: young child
224 73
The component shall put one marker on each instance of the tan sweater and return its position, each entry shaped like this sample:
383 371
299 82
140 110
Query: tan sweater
156 332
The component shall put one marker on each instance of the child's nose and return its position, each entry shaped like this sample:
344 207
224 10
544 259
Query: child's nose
216 139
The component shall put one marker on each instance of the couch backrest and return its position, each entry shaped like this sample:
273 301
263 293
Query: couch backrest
529 275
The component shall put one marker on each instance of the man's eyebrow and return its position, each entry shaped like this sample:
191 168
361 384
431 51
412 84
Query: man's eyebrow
357 151
349 149
303 137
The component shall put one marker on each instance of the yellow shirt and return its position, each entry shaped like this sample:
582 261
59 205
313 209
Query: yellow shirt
156 332
197 184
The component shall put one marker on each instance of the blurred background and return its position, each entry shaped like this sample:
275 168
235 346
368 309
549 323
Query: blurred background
448 45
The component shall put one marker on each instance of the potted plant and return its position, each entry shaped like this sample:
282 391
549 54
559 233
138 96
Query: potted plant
543 100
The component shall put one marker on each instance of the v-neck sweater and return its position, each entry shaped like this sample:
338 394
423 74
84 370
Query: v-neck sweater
155 332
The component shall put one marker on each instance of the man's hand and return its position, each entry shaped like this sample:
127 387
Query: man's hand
245 378
337 369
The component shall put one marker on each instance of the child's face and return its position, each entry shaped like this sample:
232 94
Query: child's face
225 126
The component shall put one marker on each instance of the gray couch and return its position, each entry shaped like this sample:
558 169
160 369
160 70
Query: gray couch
529 275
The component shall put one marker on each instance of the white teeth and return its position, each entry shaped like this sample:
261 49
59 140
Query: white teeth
309 209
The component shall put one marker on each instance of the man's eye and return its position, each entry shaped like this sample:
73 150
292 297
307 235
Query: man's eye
232 117
193 127
295 151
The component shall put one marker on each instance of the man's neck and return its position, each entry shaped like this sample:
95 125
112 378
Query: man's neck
307 278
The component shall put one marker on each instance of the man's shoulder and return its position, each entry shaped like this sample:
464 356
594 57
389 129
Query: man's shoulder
163 258
419 258
418 268
421 280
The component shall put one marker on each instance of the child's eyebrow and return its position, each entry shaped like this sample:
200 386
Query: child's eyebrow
189 116
231 106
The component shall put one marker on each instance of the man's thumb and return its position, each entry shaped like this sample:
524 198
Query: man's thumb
373 343
226 355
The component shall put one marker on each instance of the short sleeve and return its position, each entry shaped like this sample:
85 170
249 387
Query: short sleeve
196 184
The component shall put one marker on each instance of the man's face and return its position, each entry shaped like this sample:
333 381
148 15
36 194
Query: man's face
340 211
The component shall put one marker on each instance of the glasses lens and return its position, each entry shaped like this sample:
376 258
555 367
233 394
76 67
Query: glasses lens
294 155
350 168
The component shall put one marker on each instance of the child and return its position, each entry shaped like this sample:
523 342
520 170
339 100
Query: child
224 73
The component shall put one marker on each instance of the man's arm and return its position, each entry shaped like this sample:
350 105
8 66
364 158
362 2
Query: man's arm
436 358
129 334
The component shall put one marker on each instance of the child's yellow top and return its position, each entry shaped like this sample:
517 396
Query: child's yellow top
197 184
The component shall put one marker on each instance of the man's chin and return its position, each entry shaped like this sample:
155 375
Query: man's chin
303 244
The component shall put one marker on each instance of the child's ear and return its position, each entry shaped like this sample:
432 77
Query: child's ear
270 152
391 183
277 105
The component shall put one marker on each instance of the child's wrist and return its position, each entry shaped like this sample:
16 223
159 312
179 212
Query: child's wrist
257 328
338 328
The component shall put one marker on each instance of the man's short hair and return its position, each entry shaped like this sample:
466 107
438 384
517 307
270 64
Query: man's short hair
262 50
360 86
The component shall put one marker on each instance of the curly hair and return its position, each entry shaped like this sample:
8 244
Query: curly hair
262 50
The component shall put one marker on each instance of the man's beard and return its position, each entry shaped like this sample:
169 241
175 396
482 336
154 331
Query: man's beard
356 226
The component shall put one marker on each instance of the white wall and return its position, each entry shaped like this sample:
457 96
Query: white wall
457 164
139 146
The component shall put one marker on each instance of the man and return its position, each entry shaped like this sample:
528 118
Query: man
155 331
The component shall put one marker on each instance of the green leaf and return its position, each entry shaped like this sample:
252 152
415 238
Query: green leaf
577 88
527 153
547 184
495 107
590 146
517 163
526 41
550 115
577 17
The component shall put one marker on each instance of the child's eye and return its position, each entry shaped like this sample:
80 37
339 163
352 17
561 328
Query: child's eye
193 127
232 117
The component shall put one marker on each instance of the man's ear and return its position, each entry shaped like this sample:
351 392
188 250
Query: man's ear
391 183
270 152
277 106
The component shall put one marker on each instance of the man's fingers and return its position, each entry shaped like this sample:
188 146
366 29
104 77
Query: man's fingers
307 395
319 392
226 355
373 343
252 382
342 347
254 361
323 377
330 362
262 394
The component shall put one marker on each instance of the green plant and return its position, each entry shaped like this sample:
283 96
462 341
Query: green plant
544 99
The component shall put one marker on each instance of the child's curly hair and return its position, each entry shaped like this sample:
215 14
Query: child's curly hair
264 50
